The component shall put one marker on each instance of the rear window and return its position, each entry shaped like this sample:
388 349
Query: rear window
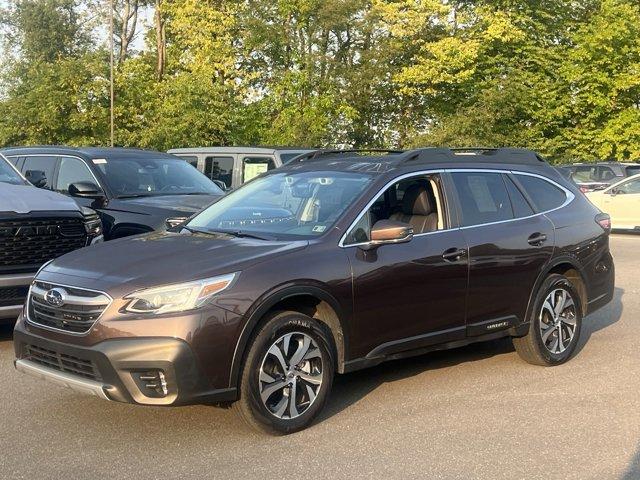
483 198
521 207
634 170
545 195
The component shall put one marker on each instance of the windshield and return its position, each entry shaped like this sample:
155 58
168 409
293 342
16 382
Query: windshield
133 177
8 173
284 205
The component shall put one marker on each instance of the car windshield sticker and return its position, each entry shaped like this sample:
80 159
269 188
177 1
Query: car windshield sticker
99 161
319 228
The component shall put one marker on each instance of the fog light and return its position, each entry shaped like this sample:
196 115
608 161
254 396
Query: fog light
152 383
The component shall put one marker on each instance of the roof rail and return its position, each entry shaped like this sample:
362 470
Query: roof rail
489 155
317 154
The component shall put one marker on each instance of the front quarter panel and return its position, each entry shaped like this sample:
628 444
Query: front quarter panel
321 270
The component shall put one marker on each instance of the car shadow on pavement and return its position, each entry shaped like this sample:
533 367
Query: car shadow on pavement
350 388
6 332
633 470
603 318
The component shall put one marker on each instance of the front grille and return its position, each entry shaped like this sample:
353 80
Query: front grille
10 296
79 311
62 362
25 244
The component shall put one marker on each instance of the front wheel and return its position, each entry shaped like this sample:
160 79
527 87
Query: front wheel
555 324
287 374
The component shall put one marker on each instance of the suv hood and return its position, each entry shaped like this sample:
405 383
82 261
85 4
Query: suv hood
172 204
27 198
119 267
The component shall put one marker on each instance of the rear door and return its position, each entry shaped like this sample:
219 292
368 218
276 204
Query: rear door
509 243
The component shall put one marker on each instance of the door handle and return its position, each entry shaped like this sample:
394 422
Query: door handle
454 254
537 239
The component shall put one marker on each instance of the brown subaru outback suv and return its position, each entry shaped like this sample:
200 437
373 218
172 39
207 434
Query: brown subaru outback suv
335 262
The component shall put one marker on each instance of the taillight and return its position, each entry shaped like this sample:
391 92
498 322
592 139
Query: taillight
604 220
584 189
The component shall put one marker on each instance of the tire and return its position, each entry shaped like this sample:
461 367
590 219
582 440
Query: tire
552 338
269 379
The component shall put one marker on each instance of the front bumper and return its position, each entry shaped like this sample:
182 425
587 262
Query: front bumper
111 369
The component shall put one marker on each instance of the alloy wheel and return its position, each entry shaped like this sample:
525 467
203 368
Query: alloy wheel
290 375
558 321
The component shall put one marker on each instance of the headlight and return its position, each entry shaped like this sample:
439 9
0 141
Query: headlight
92 223
178 297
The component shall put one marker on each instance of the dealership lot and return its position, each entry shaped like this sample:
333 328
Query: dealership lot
475 412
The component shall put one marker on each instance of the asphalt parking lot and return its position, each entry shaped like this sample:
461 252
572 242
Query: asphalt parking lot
475 412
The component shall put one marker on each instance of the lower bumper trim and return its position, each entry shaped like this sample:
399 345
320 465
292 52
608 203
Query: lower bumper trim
81 385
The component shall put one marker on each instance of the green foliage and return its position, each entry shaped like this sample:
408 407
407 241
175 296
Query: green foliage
558 76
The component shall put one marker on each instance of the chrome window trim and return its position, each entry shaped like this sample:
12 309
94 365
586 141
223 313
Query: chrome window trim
59 155
59 330
375 197
569 198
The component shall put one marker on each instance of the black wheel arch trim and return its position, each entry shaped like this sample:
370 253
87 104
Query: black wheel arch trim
553 263
257 311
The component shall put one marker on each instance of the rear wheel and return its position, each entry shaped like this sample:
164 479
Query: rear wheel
287 374
554 325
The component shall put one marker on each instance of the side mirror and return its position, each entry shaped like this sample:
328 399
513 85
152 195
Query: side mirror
37 178
386 232
86 190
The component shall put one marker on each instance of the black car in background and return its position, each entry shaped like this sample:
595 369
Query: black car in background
598 175
134 191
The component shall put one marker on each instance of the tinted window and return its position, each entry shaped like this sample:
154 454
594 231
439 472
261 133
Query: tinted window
219 168
521 207
8 174
72 170
483 198
287 157
44 164
144 176
605 174
544 195
13 160
254 166
633 170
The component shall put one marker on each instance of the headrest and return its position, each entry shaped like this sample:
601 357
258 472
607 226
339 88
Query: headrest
418 200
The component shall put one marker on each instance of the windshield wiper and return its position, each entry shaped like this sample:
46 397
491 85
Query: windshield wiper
134 195
241 234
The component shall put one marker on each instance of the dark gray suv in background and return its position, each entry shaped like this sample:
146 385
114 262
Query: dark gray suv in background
332 263
35 227
134 191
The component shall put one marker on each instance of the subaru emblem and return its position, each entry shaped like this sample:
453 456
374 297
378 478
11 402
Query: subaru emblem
55 297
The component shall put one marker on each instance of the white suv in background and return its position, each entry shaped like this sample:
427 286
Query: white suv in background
230 167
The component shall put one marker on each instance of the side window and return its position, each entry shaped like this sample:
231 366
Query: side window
14 160
584 174
190 159
72 170
219 168
630 187
605 174
483 198
45 164
521 207
415 201
544 194
254 166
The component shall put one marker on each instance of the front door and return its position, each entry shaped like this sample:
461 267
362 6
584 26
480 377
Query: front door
408 295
